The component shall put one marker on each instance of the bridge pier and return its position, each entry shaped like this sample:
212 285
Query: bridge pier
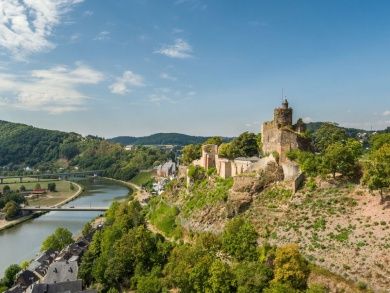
1 180
20 179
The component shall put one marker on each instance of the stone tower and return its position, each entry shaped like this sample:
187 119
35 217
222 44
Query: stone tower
280 135
283 115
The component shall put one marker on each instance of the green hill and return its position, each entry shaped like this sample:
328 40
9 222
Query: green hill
160 138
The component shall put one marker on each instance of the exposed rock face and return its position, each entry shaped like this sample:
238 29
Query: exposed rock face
245 187
211 219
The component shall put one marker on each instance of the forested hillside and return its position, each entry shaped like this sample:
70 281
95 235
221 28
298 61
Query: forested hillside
49 150
160 138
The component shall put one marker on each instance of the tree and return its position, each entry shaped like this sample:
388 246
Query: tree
327 134
61 238
377 170
22 188
239 239
11 210
290 267
190 153
221 278
10 274
24 264
37 186
6 189
51 187
245 145
69 150
341 157
308 162
225 150
378 140
214 140
252 276
87 229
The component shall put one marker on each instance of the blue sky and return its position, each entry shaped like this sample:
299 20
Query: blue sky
193 66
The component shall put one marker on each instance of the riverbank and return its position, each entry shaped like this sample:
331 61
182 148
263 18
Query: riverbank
131 185
9 224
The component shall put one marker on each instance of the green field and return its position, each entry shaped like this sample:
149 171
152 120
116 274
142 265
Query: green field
51 198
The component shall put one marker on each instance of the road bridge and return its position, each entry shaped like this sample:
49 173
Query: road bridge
65 209
62 175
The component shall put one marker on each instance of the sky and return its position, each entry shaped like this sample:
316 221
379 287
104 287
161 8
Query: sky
217 67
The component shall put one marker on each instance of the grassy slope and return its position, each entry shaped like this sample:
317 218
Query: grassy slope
341 229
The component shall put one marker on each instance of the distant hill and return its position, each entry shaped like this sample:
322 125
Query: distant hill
352 132
160 138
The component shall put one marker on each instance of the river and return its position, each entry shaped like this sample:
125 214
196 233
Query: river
23 241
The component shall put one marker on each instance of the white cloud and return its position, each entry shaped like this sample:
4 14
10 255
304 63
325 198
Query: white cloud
180 49
166 76
386 113
102 36
128 80
26 25
55 90
307 119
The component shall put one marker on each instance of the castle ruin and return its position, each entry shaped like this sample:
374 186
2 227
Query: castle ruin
280 135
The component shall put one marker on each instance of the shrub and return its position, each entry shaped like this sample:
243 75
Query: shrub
239 239
290 267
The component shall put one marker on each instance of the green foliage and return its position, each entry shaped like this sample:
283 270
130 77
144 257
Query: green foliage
246 145
37 186
87 229
196 173
378 140
221 277
22 188
190 153
328 134
58 240
150 283
11 210
160 138
51 187
290 267
280 288
142 178
214 140
204 193
252 276
10 274
6 189
24 264
163 217
342 157
12 196
311 184
239 239
69 151
377 169
308 162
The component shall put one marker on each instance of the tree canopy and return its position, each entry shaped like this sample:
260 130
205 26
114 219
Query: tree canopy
58 240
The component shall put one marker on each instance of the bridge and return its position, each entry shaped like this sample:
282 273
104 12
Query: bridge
63 175
65 209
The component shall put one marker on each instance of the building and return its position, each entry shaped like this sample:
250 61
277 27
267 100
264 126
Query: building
280 135
167 169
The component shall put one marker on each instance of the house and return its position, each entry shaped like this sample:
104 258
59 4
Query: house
61 287
61 271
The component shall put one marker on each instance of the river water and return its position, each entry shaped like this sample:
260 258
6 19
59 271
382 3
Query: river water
23 241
